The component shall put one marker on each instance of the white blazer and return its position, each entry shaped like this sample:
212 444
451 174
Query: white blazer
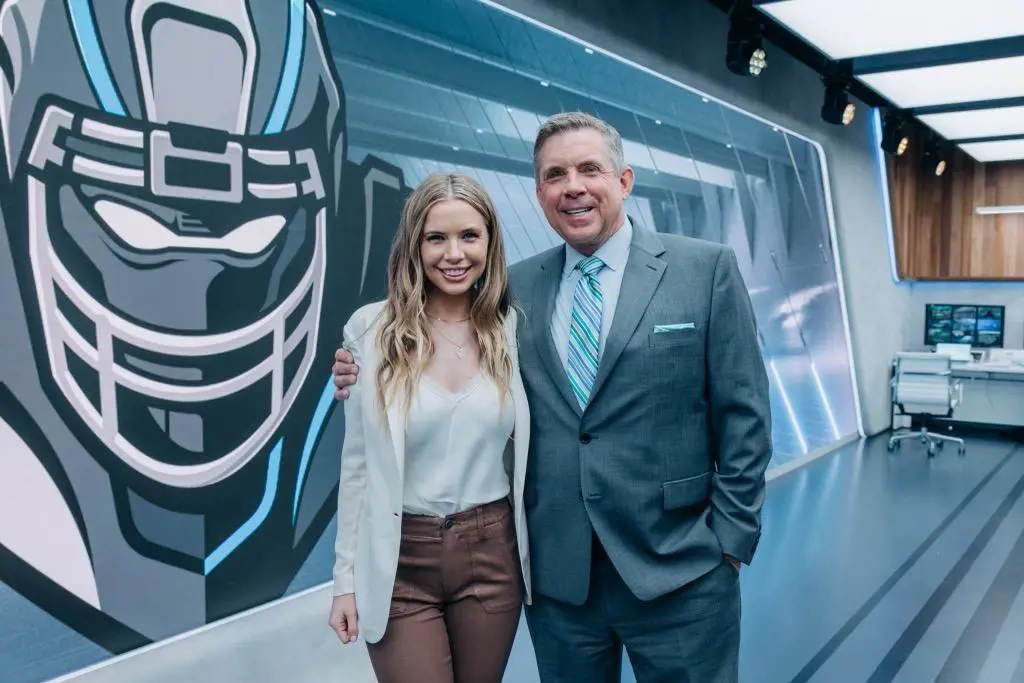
372 479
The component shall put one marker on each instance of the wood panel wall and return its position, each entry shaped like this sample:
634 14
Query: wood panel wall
937 234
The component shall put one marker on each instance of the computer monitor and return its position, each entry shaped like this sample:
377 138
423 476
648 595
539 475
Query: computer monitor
972 324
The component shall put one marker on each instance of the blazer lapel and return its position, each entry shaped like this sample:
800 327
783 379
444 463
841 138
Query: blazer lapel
521 432
639 283
545 291
396 427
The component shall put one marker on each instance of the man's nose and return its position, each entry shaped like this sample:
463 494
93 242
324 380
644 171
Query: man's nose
574 184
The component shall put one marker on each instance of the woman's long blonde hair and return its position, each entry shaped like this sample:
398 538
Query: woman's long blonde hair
403 341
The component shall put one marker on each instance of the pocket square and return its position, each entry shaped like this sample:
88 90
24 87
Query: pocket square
658 329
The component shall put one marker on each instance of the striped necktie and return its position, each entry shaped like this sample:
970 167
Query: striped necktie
585 329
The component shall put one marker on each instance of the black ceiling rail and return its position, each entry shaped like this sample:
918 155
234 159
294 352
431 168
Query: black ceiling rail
804 52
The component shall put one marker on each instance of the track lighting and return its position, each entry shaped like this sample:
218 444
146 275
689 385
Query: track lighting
744 53
895 134
837 108
934 157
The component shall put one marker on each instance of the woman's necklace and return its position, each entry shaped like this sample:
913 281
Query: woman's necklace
460 349
447 322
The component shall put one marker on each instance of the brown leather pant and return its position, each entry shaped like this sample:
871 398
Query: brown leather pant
456 602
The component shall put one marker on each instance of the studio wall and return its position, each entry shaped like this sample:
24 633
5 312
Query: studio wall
183 251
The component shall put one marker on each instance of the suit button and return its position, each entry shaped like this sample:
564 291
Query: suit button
447 524
584 438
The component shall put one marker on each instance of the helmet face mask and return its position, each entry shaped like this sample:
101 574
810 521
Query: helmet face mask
178 258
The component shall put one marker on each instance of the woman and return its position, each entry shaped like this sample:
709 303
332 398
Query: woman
431 555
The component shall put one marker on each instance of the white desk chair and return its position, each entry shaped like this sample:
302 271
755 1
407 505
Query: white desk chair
923 386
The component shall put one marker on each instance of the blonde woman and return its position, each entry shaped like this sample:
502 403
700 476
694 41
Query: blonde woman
432 562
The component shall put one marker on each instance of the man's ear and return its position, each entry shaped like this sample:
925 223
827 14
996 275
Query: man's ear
626 180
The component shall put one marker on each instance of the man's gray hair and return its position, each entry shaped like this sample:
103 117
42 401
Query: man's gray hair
578 120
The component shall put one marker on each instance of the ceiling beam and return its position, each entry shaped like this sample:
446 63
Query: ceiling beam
991 138
944 55
967 106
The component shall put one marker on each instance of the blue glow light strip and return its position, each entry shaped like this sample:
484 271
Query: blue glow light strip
95 62
824 400
788 405
883 180
315 425
290 71
243 532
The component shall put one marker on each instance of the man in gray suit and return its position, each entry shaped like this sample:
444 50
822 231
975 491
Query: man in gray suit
650 429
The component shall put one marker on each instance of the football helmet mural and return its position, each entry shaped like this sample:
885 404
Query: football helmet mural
183 239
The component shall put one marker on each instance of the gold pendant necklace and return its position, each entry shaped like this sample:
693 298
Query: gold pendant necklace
460 349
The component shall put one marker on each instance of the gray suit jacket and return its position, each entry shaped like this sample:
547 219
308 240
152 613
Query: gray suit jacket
667 462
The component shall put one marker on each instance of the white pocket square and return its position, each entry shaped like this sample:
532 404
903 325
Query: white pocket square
658 329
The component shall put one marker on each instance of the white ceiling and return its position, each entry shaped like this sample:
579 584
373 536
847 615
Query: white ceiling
972 55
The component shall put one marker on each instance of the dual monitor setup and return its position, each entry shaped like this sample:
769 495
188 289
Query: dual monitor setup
976 326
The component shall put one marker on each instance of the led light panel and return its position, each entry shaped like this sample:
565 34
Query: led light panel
977 123
1010 150
869 27
951 84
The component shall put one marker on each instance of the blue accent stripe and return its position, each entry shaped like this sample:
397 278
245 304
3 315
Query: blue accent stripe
315 425
83 23
290 71
243 532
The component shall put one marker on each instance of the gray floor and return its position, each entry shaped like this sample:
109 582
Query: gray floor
879 568
883 568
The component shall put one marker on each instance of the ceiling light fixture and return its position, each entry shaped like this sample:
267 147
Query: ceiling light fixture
999 210
744 53
934 157
837 108
895 134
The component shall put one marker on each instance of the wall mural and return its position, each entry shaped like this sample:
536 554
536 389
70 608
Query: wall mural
183 238
196 194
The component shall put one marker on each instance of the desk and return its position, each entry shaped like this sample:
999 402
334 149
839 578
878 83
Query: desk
993 393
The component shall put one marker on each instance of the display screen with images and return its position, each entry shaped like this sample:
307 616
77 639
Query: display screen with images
975 325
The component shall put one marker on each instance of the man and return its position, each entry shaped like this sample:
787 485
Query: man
650 429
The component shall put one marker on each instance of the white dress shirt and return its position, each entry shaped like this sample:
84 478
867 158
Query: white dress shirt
614 253
455 446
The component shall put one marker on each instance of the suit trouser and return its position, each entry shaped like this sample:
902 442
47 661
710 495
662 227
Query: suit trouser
690 635
457 599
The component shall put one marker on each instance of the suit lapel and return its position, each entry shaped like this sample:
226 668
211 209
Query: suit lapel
545 291
639 283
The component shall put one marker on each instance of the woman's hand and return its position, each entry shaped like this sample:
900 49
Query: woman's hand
343 619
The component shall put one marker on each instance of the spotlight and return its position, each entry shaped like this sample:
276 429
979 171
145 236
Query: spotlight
744 52
895 134
837 109
934 157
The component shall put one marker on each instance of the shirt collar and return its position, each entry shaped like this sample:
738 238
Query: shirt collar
613 253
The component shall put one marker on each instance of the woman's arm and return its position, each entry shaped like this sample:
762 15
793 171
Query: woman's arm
352 487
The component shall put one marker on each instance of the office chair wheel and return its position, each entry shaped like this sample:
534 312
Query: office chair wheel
962 451
893 446
932 450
